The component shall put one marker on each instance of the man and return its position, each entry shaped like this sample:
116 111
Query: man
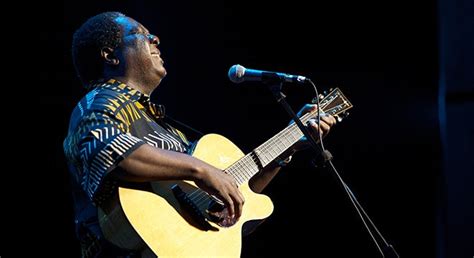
118 60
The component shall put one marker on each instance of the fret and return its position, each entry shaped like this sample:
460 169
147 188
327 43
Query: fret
237 176
250 164
246 170
259 156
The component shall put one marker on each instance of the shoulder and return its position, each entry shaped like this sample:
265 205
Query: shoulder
102 99
99 102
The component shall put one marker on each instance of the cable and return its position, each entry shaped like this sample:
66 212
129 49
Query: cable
318 119
363 215
356 205
363 211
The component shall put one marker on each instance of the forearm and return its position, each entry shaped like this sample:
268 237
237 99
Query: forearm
148 163
258 182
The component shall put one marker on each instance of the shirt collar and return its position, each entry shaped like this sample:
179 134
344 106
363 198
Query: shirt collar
123 88
113 84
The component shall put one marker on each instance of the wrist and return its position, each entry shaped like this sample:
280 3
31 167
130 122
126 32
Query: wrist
198 172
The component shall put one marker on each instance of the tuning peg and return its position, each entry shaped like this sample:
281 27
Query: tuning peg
315 100
341 116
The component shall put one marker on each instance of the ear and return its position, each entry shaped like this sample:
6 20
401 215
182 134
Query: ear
109 56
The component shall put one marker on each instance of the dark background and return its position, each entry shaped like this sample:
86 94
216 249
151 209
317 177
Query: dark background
389 58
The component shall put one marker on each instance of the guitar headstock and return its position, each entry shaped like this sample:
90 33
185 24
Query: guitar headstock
335 104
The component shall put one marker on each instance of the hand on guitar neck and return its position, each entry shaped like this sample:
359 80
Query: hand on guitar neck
326 122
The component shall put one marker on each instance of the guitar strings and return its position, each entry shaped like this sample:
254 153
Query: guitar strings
203 198
241 169
200 197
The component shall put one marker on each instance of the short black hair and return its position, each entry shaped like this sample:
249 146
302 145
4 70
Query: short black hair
96 33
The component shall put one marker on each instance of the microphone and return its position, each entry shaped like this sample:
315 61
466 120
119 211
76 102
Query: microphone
238 74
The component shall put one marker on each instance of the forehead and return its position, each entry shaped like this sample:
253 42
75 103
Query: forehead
129 25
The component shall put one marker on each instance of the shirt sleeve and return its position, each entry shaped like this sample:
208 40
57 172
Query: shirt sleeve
102 145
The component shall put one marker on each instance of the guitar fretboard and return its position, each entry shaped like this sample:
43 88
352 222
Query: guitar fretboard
250 164
242 170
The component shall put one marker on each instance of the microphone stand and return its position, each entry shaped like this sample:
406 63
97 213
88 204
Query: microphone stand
274 83
275 88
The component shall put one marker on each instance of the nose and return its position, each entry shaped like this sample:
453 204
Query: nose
154 40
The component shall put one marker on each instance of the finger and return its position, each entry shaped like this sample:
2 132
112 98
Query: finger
314 125
330 120
229 203
241 196
237 199
325 127
240 203
238 206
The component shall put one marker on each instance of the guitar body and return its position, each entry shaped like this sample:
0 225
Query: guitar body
165 228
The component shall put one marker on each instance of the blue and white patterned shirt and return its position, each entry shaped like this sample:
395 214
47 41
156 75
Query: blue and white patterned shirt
106 126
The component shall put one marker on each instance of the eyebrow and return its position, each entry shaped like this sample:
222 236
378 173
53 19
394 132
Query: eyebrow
139 30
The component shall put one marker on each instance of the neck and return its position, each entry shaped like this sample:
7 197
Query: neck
140 85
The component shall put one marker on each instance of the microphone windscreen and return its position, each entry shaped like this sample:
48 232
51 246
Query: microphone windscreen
236 73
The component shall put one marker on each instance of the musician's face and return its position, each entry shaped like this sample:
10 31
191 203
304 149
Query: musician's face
139 52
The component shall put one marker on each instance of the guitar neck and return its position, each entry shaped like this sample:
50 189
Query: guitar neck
334 104
260 157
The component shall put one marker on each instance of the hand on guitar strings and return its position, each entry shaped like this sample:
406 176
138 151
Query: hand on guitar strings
224 187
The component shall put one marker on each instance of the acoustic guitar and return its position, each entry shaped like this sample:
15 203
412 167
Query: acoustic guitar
177 219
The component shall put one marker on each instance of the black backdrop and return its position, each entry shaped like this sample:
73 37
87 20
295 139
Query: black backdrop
383 55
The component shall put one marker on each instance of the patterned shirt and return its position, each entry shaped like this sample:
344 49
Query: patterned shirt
106 126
